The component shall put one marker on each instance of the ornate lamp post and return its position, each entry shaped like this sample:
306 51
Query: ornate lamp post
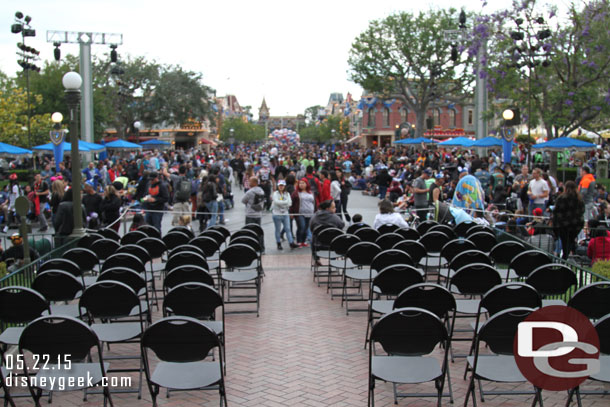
72 83
136 126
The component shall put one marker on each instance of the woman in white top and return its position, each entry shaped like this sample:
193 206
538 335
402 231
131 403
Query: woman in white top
387 215
335 190
280 205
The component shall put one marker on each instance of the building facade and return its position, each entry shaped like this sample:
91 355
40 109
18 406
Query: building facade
278 122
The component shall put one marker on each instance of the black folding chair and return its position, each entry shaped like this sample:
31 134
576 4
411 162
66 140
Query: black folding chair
461 229
109 233
503 253
484 241
175 239
186 274
553 280
240 269
446 229
184 230
87 240
59 287
367 234
355 226
388 240
150 231
424 226
104 248
413 248
18 306
408 233
361 255
186 248
523 264
182 344
133 237
387 228
593 300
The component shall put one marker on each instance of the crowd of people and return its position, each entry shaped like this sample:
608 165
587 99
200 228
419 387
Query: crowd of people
294 182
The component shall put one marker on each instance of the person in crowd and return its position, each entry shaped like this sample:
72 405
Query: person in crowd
604 215
137 221
154 202
185 221
325 216
280 206
387 215
92 202
538 191
182 195
383 180
209 198
335 190
64 219
110 208
420 194
41 191
435 191
254 200
303 207
586 188
346 188
568 217
13 256
599 244
58 189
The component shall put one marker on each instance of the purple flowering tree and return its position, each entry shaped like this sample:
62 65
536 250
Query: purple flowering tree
406 56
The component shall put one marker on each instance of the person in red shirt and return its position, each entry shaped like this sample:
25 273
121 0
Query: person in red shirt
324 194
599 245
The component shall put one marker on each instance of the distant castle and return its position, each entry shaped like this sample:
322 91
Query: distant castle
278 122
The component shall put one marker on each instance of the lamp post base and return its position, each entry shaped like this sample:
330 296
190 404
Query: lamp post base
78 233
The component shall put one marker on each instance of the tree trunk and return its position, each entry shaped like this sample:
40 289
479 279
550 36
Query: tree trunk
420 117
553 163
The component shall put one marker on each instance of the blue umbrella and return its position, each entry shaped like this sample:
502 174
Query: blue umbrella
457 142
563 143
92 146
418 140
154 142
488 142
7 149
66 146
123 145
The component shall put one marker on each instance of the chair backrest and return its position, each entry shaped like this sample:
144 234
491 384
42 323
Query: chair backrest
244 232
363 253
388 240
134 280
61 264
504 252
424 226
469 257
238 255
184 230
326 236
454 247
367 234
475 279
85 259
461 229
510 295
19 305
342 243
179 339
135 250
484 241
393 279
355 226
256 228
409 331
524 263
446 229
434 241
408 233
225 232
499 331
389 257
57 337
124 260
186 259
109 233
104 248
150 231
57 285
175 239
552 279
186 248
478 228
154 246
206 244
593 300
217 235
87 240
429 296
109 299
133 237
602 326
192 299
413 248
387 228
187 274
254 243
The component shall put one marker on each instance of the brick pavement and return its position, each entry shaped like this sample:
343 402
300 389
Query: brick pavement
302 351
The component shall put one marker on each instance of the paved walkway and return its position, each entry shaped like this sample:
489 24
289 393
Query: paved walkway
302 351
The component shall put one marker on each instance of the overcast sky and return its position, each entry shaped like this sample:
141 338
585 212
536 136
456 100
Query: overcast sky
293 53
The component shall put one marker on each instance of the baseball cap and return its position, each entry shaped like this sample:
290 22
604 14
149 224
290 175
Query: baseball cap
427 172
90 183
281 182
439 176
537 212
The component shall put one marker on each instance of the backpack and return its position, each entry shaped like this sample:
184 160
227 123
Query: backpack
258 202
183 192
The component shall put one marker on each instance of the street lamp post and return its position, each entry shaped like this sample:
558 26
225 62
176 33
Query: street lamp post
232 138
136 126
72 83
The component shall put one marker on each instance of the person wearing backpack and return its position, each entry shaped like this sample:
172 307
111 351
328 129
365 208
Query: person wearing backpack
182 196
254 200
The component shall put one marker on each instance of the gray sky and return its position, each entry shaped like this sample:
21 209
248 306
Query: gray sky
293 53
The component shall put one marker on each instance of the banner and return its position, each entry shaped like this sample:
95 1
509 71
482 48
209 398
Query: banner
57 138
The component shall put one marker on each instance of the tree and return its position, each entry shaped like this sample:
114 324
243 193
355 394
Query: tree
406 56
243 131
312 114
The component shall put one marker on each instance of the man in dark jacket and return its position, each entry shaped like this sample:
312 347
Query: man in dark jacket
155 201
325 216
64 219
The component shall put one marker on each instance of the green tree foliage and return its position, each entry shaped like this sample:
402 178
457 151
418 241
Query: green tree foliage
323 132
311 114
407 56
243 131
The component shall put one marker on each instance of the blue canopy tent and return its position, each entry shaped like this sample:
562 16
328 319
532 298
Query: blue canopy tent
154 142
565 143
417 140
67 147
123 145
9 150
488 142
94 147
457 142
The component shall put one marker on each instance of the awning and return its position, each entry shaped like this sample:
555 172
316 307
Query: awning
206 141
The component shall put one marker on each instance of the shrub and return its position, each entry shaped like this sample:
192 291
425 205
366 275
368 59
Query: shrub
602 268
